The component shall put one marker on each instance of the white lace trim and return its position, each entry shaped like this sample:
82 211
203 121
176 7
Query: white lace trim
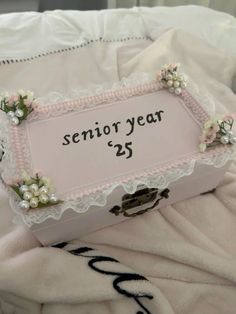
157 180
57 97
138 78
81 205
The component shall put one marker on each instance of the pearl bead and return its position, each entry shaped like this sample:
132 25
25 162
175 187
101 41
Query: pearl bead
176 84
224 139
19 113
15 120
24 205
34 202
43 198
169 83
27 196
43 190
53 198
230 133
34 187
11 114
178 91
232 139
169 77
24 188
171 89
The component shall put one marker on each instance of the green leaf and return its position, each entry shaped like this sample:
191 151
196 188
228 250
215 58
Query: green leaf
16 189
8 108
29 110
21 105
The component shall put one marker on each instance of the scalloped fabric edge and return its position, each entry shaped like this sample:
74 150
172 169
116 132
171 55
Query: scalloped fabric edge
160 181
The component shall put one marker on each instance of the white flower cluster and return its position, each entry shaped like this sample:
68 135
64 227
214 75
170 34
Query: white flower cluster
170 78
28 94
217 131
33 196
17 106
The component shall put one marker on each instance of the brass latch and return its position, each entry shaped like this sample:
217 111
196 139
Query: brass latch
139 198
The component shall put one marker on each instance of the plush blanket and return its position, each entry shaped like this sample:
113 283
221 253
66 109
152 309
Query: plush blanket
179 259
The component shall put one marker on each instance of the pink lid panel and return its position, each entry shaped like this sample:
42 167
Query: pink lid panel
87 148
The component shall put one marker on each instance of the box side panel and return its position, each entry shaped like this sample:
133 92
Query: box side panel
73 225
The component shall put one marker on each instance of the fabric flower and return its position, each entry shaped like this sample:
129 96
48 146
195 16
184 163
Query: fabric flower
12 99
34 192
202 147
17 107
217 131
207 138
169 78
211 126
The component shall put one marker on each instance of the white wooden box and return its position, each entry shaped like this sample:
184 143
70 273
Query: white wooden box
111 157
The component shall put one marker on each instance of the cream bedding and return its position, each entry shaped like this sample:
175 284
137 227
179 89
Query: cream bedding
180 259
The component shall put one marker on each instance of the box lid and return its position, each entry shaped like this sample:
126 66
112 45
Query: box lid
128 135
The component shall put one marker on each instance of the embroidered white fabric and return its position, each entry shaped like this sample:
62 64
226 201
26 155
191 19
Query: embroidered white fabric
82 204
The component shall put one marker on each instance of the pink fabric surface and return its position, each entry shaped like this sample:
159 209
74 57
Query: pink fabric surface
85 171
186 251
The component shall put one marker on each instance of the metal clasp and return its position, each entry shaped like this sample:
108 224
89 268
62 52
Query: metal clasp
139 198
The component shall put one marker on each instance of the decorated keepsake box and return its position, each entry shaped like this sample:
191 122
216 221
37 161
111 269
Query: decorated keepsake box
76 166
